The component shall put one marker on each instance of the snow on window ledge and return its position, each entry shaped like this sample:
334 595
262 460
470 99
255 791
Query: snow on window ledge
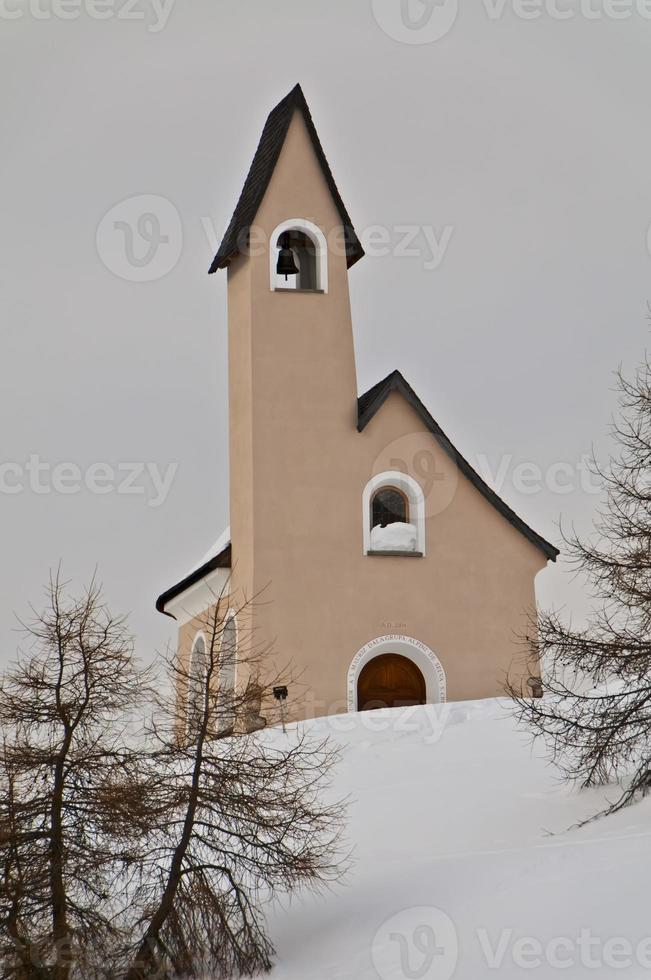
397 538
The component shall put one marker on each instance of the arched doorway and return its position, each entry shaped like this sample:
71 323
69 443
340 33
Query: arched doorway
412 649
390 681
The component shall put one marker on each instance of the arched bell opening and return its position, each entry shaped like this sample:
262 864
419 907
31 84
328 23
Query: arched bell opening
299 257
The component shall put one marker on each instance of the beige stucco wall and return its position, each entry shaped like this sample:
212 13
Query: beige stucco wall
298 468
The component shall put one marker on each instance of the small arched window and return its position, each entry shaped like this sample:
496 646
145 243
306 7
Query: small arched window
299 257
389 506
196 681
393 508
227 669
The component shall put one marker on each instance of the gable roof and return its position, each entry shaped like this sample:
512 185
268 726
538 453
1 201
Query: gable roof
222 559
368 405
262 168
371 402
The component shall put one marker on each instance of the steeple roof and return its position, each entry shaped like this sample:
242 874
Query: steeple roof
262 168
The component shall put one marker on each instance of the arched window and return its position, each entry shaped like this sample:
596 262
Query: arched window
393 513
227 670
299 257
389 506
196 679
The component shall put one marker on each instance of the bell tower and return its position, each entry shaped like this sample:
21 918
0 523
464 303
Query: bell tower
292 380
383 569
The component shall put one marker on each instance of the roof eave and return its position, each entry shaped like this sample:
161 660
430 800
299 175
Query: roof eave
222 560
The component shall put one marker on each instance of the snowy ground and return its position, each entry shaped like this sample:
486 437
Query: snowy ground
465 863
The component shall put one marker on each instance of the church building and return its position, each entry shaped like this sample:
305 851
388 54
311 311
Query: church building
391 573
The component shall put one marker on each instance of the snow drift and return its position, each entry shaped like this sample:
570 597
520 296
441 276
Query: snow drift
466 863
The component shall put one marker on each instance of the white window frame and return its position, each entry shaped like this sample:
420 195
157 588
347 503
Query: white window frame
318 238
414 493
195 683
230 618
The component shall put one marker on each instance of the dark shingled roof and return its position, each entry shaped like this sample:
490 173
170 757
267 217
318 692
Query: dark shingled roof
222 560
262 168
370 403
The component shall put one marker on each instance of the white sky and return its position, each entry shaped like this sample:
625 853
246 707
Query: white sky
529 138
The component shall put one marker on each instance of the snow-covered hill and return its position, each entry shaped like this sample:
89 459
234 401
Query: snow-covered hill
465 861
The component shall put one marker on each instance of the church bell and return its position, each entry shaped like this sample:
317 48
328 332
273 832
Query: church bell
286 261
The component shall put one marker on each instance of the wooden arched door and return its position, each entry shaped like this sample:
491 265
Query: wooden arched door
390 681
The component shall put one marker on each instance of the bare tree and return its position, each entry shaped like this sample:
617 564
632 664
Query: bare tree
68 829
151 854
596 715
241 814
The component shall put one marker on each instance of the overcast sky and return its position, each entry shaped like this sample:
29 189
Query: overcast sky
521 146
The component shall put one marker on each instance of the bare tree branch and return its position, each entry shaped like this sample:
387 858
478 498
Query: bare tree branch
242 815
596 715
